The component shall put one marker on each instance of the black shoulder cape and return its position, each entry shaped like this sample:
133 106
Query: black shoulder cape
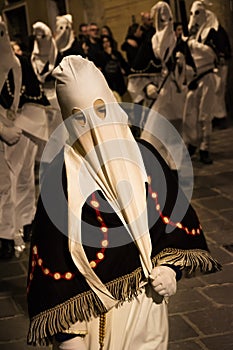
58 294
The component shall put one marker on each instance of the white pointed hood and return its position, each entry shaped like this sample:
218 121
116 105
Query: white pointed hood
44 51
164 39
107 157
203 19
64 35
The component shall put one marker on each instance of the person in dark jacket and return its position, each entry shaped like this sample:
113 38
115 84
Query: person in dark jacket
115 67
106 30
132 42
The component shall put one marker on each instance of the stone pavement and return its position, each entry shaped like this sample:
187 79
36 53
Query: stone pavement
201 313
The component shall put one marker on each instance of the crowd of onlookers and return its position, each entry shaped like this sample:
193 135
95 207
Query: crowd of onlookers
183 79
119 60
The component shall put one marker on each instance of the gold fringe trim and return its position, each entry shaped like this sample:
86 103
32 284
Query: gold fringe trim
189 260
87 305
80 308
61 317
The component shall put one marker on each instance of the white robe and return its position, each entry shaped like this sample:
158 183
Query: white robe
169 105
17 187
139 325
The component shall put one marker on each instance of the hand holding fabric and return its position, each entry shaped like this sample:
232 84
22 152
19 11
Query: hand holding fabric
163 280
11 114
10 135
151 91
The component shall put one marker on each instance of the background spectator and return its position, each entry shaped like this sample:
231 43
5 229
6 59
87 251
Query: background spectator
132 42
95 52
105 30
83 31
115 67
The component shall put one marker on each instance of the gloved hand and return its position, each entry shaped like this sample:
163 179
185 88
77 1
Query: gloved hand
151 91
76 343
10 135
163 280
11 115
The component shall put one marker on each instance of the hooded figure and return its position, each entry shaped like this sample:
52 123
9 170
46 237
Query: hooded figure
17 188
44 52
9 62
10 86
64 35
67 43
99 245
199 106
170 99
164 39
202 23
44 58
201 20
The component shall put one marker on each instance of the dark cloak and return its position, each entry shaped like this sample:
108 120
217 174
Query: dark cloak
58 294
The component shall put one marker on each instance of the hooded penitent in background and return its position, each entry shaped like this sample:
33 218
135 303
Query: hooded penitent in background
16 152
169 102
164 39
64 35
199 106
102 253
67 43
44 58
10 62
44 52
224 53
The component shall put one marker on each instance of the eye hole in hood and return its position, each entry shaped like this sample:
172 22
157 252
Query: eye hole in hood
100 108
79 116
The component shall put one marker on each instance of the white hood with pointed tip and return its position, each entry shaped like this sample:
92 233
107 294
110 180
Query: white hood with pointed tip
164 39
110 160
44 51
64 35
